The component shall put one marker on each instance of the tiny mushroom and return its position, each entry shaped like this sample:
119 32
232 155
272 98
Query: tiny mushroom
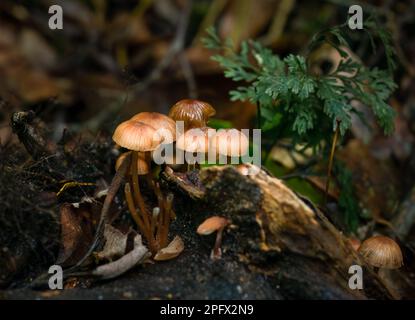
194 113
211 225
195 141
381 252
231 143
138 137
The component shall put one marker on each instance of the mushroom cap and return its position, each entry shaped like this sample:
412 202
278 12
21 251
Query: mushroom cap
194 113
142 165
243 169
162 123
381 252
136 136
195 140
355 243
211 225
230 142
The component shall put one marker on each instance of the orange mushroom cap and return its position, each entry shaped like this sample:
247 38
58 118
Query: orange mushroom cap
195 140
230 142
136 136
164 125
211 225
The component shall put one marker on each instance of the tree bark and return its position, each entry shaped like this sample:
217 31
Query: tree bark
277 233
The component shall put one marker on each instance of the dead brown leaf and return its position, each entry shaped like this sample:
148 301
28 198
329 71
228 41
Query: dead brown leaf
376 182
115 244
175 247
76 235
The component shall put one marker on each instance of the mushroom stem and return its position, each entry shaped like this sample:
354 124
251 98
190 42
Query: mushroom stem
137 194
160 219
149 175
154 219
133 211
333 149
217 252
166 220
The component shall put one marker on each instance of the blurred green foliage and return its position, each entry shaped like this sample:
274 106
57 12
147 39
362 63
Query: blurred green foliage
294 102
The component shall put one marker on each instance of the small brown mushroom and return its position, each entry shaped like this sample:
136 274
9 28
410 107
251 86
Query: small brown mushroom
165 130
164 125
196 141
231 143
211 225
381 252
136 136
194 113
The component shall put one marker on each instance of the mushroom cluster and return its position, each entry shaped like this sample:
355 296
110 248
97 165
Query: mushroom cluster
199 140
142 134
145 133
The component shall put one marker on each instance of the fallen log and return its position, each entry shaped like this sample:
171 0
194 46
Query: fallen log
277 233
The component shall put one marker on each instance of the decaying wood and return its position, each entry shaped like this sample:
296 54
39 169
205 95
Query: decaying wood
278 234
274 233
123 264
29 135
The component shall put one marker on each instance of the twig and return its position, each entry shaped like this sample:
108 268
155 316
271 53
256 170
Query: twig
344 244
333 148
175 47
166 220
188 75
112 191
35 144
125 263
278 22
214 11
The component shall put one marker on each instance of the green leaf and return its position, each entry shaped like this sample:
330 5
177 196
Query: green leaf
290 97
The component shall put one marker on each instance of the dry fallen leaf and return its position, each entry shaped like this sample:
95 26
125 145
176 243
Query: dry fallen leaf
125 263
78 223
75 235
377 187
36 50
290 158
115 244
175 247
